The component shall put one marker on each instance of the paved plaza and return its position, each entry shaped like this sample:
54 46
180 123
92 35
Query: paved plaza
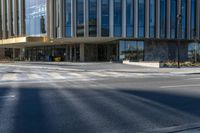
97 98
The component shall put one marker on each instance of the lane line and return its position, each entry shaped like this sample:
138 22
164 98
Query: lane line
178 86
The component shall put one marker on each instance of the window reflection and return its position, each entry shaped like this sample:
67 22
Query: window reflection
129 18
117 18
194 52
92 17
80 18
141 18
173 18
183 21
163 18
67 13
35 11
152 18
105 18
193 18
131 50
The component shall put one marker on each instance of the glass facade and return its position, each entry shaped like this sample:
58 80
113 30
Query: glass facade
152 12
129 18
117 18
162 18
68 14
173 19
131 50
141 18
92 18
35 12
79 18
193 19
105 18
194 52
19 17
183 18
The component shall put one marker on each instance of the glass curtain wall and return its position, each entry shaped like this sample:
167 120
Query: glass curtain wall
173 18
92 18
193 19
117 18
152 12
80 18
163 18
183 21
131 50
141 18
68 15
35 12
1 23
129 18
19 17
104 17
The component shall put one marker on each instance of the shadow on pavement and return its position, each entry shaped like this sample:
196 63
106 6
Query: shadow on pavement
74 110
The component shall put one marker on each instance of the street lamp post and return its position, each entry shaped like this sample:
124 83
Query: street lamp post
179 16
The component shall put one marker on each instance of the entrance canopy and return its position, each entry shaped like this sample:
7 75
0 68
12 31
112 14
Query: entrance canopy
21 42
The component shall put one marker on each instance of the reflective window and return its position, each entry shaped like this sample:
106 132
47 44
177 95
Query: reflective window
92 17
35 11
105 18
13 14
194 52
141 17
152 18
80 18
117 18
7 16
1 23
68 14
173 18
19 17
131 50
129 18
163 18
193 18
183 21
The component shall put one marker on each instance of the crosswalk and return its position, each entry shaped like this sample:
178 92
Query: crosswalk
47 76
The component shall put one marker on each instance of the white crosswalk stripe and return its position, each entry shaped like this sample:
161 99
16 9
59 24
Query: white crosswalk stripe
9 77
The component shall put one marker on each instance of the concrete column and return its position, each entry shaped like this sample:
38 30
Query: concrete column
98 18
135 18
111 17
168 20
1 33
147 18
10 31
23 25
86 17
66 53
198 18
73 21
61 18
51 17
123 18
82 52
4 19
48 18
188 19
22 53
74 53
16 9
70 53
157 18
13 53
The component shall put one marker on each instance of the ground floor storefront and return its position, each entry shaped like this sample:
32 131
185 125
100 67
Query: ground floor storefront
113 51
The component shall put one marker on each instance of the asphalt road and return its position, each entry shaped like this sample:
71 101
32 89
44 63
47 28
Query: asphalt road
91 98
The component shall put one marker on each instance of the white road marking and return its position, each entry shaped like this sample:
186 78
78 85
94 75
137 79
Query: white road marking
178 86
9 77
9 96
56 76
34 76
